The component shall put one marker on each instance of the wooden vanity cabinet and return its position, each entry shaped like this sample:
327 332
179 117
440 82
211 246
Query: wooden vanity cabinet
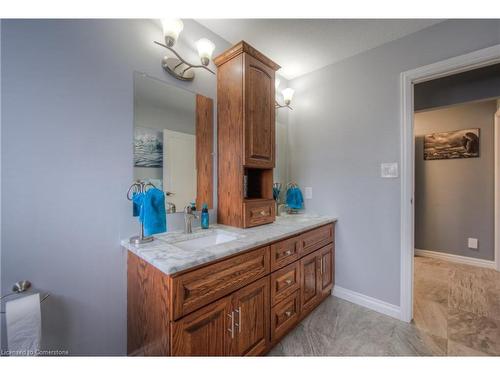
246 136
234 325
241 305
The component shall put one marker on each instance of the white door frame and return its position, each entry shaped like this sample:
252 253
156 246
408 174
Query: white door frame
497 186
474 60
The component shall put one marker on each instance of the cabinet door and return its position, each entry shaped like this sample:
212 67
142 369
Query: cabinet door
259 132
310 288
251 319
326 269
204 332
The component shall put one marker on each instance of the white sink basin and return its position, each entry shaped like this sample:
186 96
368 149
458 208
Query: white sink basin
215 237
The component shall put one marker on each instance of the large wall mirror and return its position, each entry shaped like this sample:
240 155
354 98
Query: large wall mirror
173 142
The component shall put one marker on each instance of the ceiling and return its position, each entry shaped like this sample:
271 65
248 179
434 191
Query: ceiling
301 46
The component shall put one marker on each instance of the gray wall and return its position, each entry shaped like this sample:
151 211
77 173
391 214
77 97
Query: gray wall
67 120
345 122
454 199
477 84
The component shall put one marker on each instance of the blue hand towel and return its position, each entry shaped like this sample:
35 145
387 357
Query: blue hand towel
294 198
136 208
152 211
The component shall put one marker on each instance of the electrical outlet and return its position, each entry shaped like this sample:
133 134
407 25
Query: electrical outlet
309 192
473 243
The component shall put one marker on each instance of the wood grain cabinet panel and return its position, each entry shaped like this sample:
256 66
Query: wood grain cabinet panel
284 282
310 290
284 316
251 315
259 114
204 332
148 323
195 289
285 252
258 212
327 271
204 151
316 238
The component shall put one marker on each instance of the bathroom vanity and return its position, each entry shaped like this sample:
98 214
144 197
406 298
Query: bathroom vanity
227 291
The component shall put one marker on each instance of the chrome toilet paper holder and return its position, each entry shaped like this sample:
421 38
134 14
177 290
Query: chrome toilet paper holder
21 287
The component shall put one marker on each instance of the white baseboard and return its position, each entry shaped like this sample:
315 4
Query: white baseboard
456 258
368 302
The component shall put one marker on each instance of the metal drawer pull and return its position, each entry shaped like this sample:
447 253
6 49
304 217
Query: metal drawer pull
288 314
239 319
232 324
288 282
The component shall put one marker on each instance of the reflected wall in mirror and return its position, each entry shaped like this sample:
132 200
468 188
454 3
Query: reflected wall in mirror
281 173
173 142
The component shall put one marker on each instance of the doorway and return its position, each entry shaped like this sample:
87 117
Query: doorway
471 61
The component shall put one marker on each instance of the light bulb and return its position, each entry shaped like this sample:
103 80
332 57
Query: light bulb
277 83
288 95
172 27
205 49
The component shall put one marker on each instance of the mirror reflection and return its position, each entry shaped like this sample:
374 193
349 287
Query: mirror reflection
166 151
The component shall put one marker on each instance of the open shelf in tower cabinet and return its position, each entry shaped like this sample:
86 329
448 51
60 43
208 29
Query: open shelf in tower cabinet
258 182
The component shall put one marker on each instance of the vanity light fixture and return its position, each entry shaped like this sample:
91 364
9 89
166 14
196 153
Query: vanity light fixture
287 98
178 67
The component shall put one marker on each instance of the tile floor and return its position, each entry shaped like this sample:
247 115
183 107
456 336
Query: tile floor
456 312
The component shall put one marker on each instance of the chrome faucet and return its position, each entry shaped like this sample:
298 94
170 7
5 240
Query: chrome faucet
279 208
189 216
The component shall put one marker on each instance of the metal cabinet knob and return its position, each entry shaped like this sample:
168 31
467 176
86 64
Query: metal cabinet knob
288 252
263 213
288 282
288 314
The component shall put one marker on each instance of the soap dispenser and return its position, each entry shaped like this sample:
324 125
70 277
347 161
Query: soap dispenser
204 217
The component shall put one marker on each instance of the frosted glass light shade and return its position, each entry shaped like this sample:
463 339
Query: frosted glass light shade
288 95
205 49
277 83
172 27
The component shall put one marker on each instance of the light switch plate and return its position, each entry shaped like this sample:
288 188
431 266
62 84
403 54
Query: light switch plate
309 192
389 170
473 243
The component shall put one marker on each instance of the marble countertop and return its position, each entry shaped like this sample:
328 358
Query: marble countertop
170 259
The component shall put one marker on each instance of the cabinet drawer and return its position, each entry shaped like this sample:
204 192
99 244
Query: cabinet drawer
284 316
285 252
197 288
284 282
258 212
316 239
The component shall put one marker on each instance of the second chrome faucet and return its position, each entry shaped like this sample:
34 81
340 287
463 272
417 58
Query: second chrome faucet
189 216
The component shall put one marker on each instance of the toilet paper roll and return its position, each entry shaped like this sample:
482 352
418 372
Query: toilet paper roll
24 325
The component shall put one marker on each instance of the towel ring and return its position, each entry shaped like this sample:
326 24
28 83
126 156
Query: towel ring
138 187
